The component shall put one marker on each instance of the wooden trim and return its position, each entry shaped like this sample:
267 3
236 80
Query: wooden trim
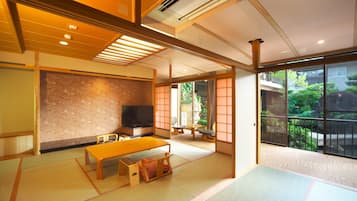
16 134
15 187
170 73
207 76
137 12
37 110
205 15
355 26
258 118
260 8
19 155
321 54
76 72
327 60
153 98
14 22
16 66
86 14
234 124
230 44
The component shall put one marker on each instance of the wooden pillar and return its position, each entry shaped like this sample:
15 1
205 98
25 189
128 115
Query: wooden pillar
256 51
137 16
36 133
256 62
153 97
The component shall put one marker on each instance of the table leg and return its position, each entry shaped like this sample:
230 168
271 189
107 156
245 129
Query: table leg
175 131
99 169
193 133
86 156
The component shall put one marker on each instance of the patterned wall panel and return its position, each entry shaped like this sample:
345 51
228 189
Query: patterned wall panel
77 106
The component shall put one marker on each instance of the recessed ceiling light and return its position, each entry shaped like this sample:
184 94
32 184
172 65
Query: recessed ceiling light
72 27
63 42
67 36
184 70
284 52
127 49
320 42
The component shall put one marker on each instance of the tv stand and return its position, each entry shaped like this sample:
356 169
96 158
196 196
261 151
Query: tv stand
137 131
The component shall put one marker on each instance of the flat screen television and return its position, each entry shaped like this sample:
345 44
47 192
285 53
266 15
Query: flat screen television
137 116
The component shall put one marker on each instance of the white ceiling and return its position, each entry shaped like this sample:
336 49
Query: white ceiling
183 64
228 30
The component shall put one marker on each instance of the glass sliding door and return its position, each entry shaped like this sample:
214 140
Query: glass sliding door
273 115
305 108
341 111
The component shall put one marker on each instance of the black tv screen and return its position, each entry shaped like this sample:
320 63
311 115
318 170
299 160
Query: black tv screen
137 116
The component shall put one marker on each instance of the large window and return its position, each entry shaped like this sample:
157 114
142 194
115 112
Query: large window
312 108
341 109
273 107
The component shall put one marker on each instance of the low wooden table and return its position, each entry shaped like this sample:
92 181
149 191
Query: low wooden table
115 149
178 129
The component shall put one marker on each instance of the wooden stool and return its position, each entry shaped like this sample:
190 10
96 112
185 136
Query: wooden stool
107 138
127 166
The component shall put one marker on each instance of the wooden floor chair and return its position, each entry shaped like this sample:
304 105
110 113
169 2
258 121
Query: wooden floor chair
153 168
107 138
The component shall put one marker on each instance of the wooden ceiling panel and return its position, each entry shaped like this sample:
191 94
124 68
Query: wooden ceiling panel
51 31
7 31
44 34
6 36
124 8
33 44
42 31
94 45
4 27
61 23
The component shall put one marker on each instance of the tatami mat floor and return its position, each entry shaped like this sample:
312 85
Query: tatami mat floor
199 174
62 175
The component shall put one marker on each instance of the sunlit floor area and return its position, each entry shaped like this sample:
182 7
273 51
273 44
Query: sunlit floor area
197 141
334 169
267 184
63 175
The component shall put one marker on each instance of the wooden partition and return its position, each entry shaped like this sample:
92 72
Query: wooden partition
162 111
224 115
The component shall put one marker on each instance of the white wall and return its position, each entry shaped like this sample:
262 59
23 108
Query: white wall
245 121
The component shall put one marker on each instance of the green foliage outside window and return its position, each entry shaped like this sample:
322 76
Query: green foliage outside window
352 83
186 93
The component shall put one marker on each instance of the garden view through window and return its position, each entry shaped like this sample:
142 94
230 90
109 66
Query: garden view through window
312 108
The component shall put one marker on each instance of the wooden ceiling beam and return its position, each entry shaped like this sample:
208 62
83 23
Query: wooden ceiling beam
205 15
260 8
86 14
220 38
137 10
14 22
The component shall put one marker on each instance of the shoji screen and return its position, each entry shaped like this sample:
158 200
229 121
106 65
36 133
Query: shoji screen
162 112
224 109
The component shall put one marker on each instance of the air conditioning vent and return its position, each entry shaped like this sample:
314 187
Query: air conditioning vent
166 4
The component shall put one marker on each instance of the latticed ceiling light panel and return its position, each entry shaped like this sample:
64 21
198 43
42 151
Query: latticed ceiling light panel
126 50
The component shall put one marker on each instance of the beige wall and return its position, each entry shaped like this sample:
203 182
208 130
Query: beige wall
79 106
16 100
16 110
